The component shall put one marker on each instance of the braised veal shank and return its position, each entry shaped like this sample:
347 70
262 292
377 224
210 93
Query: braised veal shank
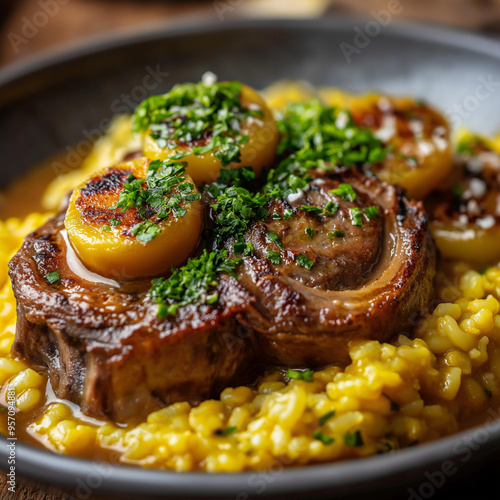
107 351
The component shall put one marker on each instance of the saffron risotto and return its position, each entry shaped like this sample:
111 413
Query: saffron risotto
391 396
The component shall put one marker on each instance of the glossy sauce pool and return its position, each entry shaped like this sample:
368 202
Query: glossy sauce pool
24 195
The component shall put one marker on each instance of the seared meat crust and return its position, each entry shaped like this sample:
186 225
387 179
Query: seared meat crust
107 351
105 347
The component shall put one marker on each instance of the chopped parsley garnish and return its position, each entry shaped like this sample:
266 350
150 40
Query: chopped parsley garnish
235 177
286 179
356 216
313 138
239 247
242 247
312 209
323 437
310 131
53 277
371 212
146 231
209 117
306 375
274 257
210 113
488 393
106 228
468 143
194 282
249 249
133 195
114 222
458 190
226 432
354 439
304 261
336 234
274 238
331 208
234 209
344 192
463 147
327 416
484 270
155 196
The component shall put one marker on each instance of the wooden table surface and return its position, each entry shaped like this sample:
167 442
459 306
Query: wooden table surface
80 18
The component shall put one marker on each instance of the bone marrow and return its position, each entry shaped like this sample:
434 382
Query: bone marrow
364 282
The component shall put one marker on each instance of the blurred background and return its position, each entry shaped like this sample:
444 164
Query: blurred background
28 26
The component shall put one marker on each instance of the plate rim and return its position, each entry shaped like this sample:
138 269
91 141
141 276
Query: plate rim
99 44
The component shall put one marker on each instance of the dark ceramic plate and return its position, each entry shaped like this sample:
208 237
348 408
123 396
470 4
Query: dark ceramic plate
60 100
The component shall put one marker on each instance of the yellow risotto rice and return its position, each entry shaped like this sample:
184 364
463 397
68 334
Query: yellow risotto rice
390 396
